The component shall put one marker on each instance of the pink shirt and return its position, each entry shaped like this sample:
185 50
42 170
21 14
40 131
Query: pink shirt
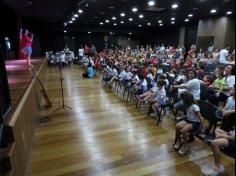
27 41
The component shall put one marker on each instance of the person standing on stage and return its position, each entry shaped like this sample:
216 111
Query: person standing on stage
27 48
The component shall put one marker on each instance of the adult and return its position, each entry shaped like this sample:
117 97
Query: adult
27 48
86 50
192 86
81 53
93 51
224 54
210 48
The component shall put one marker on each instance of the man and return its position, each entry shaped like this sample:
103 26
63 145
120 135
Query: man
210 48
224 54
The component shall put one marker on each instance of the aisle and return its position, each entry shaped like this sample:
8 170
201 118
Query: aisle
104 135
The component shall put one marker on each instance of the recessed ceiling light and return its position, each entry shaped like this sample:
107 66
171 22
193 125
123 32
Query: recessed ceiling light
70 22
130 33
172 22
149 24
213 11
65 31
89 32
229 13
174 6
114 18
190 15
161 24
134 9
122 14
107 21
73 19
172 19
186 20
101 23
115 24
159 21
65 24
140 25
76 15
87 5
130 19
151 3
80 11
141 16
122 22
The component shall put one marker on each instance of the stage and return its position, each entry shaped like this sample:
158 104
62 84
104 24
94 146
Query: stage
19 77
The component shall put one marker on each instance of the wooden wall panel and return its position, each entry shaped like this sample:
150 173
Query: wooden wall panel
23 123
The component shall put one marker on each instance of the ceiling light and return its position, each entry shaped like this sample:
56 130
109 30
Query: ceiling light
122 22
87 5
149 24
172 22
107 21
229 13
115 24
130 33
70 22
159 21
172 19
186 20
141 16
80 11
174 6
190 15
151 3
213 11
114 18
134 9
161 24
89 32
73 19
101 23
65 31
122 14
130 19
140 25
65 24
76 15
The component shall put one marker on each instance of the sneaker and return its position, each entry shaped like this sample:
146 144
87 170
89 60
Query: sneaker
177 146
215 171
183 150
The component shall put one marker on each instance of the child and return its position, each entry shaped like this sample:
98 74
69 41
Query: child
193 123
207 80
89 73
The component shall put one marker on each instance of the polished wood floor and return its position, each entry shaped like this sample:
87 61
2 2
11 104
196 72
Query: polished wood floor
105 136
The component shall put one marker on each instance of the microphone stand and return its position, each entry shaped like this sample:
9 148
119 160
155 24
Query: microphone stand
63 106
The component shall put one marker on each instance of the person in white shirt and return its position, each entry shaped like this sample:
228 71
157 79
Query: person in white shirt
81 53
223 55
192 123
210 48
192 86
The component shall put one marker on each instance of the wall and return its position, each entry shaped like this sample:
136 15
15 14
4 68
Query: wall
217 27
182 36
230 33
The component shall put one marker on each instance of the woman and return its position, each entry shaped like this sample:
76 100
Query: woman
192 86
27 49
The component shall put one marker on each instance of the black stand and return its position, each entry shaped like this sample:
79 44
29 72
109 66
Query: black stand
63 106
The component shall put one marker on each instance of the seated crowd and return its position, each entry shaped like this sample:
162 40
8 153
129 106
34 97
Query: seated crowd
159 75
182 79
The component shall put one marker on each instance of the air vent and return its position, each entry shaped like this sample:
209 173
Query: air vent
155 9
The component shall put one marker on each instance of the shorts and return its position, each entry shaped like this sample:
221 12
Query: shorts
27 50
196 126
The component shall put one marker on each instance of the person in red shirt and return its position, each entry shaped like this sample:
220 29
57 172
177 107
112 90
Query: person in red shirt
86 50
27 48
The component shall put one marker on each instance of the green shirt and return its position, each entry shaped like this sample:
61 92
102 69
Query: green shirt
218 83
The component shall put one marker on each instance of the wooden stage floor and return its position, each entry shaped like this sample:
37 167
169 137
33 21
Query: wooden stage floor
19 77
105 136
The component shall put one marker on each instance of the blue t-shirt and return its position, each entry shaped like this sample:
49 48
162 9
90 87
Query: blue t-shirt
90 72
